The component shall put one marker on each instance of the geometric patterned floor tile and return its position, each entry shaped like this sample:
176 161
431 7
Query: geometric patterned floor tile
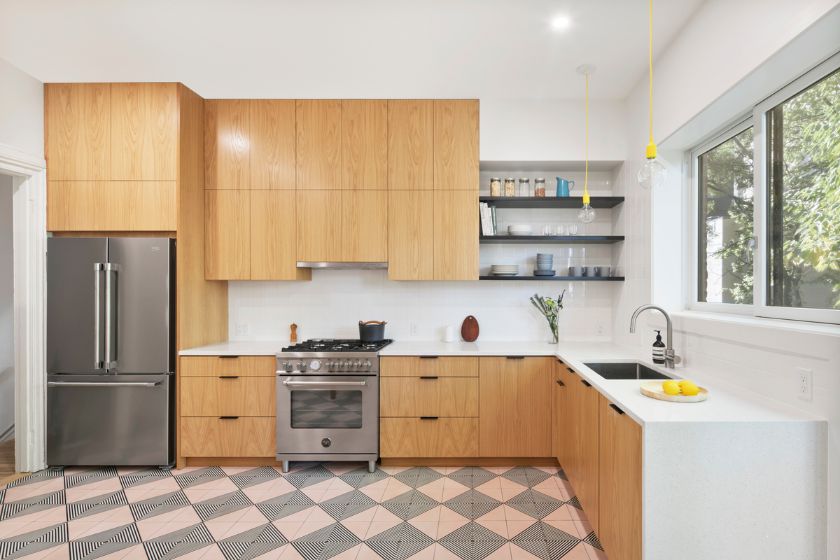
315 512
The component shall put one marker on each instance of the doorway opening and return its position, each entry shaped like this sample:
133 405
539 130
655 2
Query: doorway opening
7 343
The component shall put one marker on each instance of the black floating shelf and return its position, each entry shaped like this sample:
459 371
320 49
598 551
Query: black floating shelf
563 239
555 278
550 201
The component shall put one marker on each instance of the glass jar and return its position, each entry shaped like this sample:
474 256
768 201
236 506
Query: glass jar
495 186
510 187
539 186
524 187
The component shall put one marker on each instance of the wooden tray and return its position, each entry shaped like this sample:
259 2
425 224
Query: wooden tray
654 391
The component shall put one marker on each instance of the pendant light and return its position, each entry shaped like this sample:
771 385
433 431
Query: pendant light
652 173
586 214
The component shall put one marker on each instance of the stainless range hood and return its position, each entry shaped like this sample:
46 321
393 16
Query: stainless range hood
343 265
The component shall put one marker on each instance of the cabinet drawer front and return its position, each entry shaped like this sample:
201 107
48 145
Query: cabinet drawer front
415 366
214 366
415 396
416 437
233 437
228 396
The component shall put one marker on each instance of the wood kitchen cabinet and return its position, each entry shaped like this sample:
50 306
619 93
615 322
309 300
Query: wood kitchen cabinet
410 144
515 405
620 483
227 239
560 414
78 131
144 132
227 146
319 225
318 136
456 235
272 143
411 235
456 144
364 144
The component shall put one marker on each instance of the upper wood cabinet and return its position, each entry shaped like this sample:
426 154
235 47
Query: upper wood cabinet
78 131
144 132
410 144
515 406
411 235
111 206
456 145
364 144
274 237
272 140
456 235
227 240
319 225
227 146
318 144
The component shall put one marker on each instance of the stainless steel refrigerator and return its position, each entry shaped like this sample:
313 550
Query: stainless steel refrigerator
110 351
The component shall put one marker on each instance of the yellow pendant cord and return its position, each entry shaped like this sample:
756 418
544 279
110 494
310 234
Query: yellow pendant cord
586 144
650 151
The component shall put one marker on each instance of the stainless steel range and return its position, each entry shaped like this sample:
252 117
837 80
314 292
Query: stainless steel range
328 401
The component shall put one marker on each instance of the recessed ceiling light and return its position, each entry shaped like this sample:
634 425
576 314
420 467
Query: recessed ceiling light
560 23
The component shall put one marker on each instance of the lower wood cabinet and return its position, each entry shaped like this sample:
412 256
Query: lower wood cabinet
583 444
515 404
620 483
87 206
228 395
428 437
228 437
420 366
428 396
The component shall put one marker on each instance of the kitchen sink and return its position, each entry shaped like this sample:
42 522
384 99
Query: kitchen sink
625 370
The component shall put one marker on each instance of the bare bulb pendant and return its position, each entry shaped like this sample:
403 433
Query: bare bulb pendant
586 214
652 174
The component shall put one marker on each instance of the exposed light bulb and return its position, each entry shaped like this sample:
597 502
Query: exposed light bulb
586 214
652 174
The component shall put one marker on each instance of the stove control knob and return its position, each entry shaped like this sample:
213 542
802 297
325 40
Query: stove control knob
315 365
301 367
357 364
367 365
286 366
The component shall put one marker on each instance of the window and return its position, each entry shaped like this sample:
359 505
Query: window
767 214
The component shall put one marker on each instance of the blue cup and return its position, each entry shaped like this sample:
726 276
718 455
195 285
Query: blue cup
564 187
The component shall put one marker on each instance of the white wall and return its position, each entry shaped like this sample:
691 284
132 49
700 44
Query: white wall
7 358
21 110
701 85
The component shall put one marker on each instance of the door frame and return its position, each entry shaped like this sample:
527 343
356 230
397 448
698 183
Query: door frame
29 226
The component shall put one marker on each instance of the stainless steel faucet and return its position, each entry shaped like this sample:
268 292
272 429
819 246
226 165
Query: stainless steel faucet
670 357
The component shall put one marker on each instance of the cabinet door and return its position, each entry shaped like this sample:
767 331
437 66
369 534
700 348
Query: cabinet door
228 437
560 407
227 235
411 235
364 144
318 225
272 143
584 474
515 407
456 145
364 226
144 132
227 144
410 144
318 160
78 131
428 437
456 235
620 476
273 237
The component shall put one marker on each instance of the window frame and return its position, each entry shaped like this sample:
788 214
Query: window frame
757 119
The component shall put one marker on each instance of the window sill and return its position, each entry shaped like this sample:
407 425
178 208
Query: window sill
728 324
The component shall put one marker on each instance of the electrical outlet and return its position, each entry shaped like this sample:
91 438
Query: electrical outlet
412 329
805 380
241 329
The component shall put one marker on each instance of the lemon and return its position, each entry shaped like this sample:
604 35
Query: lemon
671 387
688 388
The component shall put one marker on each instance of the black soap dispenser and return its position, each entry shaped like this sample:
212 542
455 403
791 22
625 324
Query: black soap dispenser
658 349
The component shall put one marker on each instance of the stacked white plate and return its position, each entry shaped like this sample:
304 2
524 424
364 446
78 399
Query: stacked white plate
519 229
504 269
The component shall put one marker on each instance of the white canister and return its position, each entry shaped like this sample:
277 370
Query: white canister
449 334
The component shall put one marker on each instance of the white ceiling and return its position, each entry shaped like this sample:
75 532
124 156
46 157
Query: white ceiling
341 48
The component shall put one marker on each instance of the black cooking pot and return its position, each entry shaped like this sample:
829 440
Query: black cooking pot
371 331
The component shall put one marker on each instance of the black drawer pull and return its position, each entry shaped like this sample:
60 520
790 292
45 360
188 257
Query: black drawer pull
227 357
515 357
561 383
428 357
612 406
228 417
428 377
559 361
570 370
428 418
228 377
585 382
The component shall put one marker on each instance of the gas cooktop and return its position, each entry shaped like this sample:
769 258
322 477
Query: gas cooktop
337 345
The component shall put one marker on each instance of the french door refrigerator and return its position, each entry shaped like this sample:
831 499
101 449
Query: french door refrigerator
110 351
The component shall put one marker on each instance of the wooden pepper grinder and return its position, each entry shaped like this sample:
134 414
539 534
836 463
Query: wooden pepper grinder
293 333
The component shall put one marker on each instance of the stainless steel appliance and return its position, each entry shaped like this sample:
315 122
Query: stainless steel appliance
328 401
110 351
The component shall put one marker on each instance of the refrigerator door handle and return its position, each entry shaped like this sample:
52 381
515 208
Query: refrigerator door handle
98 360
111 357
103 383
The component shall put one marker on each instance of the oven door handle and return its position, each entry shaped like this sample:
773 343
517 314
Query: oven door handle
290 383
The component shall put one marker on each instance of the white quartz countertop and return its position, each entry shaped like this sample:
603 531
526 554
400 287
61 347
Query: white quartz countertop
726 403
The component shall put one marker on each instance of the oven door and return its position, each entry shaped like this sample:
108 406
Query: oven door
327 414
